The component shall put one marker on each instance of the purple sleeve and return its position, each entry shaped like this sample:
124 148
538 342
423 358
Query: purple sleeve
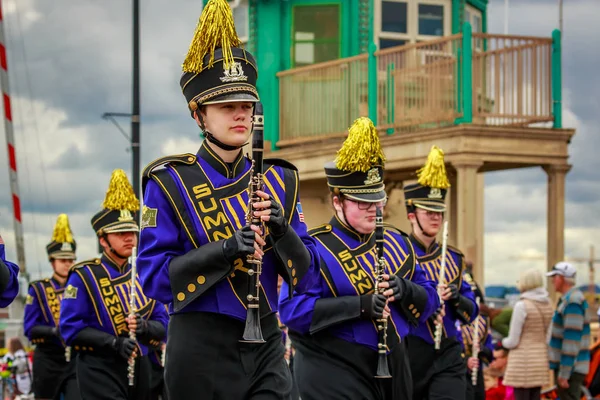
76 309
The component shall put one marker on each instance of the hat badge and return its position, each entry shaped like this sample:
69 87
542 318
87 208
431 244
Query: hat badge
372 176
235 73
435 193
66 246
125 216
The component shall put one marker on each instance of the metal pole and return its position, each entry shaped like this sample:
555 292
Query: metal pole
12 155
135 103
560 16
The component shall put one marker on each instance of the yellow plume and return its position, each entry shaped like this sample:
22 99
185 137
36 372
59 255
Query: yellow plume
215 29
361 150
119 195
433 174
62 231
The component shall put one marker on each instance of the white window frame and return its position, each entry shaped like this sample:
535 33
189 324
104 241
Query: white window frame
471 13
412 15
235 4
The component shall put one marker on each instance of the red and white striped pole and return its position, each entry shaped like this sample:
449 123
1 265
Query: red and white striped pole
10 142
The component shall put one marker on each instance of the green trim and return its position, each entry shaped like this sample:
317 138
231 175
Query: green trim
466 74
455 16
481 5
372 65
557 78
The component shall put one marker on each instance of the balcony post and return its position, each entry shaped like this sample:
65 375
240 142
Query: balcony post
467 74
557 78
372 67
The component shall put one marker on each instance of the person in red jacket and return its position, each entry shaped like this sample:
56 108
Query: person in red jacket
497 367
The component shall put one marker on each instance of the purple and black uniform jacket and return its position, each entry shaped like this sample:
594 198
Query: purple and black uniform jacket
195 203
486 346
42 308
347 272
464 309
97 296
9 282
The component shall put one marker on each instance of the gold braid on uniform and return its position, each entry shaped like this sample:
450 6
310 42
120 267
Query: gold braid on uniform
361 149
216 29
62 230
120 195
433 173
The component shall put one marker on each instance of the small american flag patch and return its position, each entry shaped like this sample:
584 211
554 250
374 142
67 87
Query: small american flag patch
300 213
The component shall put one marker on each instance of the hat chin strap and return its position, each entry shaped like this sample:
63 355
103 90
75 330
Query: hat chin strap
113 251
211 138
421 227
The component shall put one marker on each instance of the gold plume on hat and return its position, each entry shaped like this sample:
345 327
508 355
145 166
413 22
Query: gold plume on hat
361 150
215 29
433 174
120 195
62 231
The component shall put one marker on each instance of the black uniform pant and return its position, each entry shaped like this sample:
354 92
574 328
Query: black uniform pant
104 377
437 374
476 392
67 388
327 367
49 364
206 360
157 382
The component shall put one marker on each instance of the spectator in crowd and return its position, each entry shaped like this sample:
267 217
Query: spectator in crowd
495 388
527 367
20 366
570 336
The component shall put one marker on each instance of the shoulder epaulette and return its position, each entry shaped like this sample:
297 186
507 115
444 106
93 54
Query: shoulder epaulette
92 261
325 228
39 280
390 227
186 158
279 162
455 250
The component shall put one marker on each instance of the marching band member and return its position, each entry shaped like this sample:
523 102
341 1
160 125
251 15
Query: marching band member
334 325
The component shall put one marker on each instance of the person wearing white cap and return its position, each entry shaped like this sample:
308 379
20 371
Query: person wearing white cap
569 344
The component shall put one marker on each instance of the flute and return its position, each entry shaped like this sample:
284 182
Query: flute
475 351
131 361
442 279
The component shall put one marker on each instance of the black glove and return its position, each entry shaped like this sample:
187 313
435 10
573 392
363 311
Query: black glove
239 245
43 331
124 346
371 306
141 325
277 224
454 293
398 287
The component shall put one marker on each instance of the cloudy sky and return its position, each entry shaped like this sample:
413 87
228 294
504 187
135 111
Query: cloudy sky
70 62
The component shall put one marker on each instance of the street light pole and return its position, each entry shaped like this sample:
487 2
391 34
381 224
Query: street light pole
135 103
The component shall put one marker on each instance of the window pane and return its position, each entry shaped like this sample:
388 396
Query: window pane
431 20
316 34
385 43
240 16
393 17
476 23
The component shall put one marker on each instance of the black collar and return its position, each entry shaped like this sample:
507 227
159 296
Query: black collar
108 260
348 230
213 159
421 245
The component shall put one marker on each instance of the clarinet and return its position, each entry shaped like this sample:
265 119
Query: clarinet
442 280
253 331
475 351
131 361
382 323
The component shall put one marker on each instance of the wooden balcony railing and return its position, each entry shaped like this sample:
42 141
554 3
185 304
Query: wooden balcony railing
480 78
512 79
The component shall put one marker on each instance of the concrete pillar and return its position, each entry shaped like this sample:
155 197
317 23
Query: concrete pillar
467 209
556 213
